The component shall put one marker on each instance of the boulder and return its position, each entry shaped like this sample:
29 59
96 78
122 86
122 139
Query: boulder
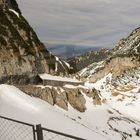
76 99
60 98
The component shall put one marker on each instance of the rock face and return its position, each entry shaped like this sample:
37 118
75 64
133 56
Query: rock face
129 46
63 96
125 56
116 66
21 52
76 99
11 4
60 98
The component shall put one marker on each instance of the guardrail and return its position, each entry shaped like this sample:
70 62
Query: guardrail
11 129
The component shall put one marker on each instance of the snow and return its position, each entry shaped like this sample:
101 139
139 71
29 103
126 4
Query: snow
17 105
130 105
129 98
94 123
91 69
56 66
83 71
16 13
57 59
57 78
68 65
118 117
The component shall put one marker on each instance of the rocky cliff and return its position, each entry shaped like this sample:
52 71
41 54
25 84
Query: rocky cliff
124 56
23 57
21 52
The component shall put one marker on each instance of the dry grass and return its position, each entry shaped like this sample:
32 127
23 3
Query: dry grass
115 93
126 88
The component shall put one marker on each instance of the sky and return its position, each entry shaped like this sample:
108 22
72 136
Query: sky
82 22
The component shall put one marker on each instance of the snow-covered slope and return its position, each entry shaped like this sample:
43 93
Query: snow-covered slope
98 123
16 104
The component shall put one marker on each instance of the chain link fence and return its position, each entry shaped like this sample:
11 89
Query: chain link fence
16 130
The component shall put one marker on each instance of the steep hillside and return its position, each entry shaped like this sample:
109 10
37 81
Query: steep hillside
84 60
129 46
21 52
125 56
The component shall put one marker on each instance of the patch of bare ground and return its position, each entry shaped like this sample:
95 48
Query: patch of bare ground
126 88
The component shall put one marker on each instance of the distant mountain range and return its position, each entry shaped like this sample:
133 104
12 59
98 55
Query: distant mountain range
66 51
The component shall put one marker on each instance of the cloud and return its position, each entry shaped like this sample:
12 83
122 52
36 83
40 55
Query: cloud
91 22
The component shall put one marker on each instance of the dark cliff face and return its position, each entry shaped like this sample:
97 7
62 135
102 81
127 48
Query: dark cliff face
21 52
11 4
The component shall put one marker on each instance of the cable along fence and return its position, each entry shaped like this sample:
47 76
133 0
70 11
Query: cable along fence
16 130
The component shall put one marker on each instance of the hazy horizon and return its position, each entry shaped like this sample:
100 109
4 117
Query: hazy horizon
85 23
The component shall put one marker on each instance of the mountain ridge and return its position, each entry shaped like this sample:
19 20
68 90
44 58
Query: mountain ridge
124 56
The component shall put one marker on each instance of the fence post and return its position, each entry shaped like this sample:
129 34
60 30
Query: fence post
39 132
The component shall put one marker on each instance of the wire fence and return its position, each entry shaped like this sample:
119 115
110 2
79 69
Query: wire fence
16 130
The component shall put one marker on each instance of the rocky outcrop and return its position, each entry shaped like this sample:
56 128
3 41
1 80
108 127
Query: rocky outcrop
60 98
125 56
63 96
21 52
95 95
76 99
129 46
11 4
116 66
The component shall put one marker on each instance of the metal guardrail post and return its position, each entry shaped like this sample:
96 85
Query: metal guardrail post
34 133
39 132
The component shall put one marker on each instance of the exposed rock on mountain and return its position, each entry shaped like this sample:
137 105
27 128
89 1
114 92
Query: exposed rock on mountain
62 96
125 56
84 60
21 52
129 46
11 4
116 66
